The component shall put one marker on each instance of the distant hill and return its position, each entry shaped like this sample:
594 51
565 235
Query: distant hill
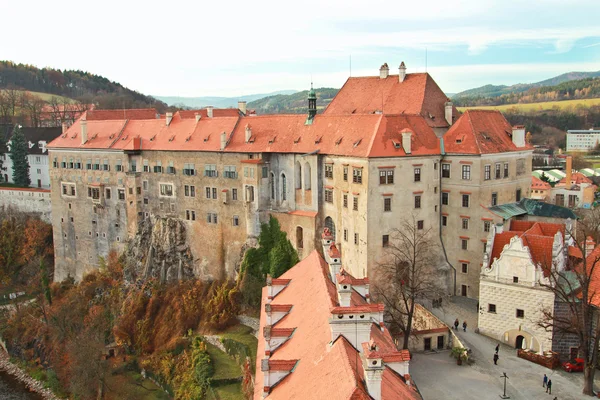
74 84
485 95
218 102
296 103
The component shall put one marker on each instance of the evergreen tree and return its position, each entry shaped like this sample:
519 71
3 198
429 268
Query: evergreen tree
18 155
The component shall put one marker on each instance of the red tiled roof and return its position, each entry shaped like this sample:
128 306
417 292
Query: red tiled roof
538 184
104 115
577 178
480 132
324 370
217 112
418 94
349 135
537 236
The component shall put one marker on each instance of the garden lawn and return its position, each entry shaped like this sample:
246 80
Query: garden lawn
230 392
131 385
225 366
243 334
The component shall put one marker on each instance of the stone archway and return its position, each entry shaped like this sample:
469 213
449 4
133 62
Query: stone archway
520 340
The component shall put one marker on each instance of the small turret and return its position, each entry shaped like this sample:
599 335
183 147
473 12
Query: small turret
312 104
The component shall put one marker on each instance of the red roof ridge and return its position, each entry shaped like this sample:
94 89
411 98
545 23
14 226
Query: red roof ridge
374 135
375 307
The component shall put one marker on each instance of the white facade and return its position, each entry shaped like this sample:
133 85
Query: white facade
582 140
511 297
39 173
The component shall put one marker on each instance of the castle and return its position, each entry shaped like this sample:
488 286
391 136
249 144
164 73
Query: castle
192 187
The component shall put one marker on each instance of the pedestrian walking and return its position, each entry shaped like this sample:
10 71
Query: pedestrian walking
549 386
496 359
456 323
464 326
497 348
545 382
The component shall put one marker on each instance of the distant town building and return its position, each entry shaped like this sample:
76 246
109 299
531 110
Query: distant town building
321 337
539 189
582 140
37 139
575 190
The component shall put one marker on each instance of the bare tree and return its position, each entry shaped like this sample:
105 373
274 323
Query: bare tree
576 290
33 106
407 274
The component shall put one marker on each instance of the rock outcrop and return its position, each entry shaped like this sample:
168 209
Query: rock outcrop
160 249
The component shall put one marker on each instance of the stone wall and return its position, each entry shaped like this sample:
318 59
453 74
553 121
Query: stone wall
34 201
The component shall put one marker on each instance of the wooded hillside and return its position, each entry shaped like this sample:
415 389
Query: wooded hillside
493 95
78 85
296 103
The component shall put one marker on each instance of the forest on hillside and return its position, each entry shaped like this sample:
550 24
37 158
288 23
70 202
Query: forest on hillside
78 85
296 103
577 89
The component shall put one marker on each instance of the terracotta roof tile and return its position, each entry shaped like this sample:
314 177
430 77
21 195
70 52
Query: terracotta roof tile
480 132
104 115
321 365
538 184
577 178
418 94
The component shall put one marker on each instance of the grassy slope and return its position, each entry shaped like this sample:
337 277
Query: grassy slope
48 96
243 334
547 105
131 385
225 366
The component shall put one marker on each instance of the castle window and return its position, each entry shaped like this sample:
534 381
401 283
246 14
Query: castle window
229 172
486 226
345 173
417 174
357 175
166 189
283 187
119 165
387 204
465 200
386 176
190 169
520 313
234 194
210 170
355 203
420 224
345 197
158 169
492 308
487 172
385 240
146 167
494 199
445 170
236 220
464 268
465 223
328 195
445 198
121 193
417 201
329 171
466 172
506 170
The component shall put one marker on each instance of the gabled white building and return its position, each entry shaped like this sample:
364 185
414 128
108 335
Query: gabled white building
511 294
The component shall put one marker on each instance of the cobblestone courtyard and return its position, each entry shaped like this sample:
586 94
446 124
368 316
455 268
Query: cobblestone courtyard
438 376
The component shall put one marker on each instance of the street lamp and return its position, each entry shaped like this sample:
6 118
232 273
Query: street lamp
504 396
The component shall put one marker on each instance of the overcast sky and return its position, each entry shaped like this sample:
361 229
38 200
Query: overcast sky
233 48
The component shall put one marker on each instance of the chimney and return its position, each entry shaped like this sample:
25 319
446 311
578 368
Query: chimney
248 133
242 107
198 116
209 111
402 73
499 228
373 373
83 124
406 141
344 293
518 135
384 71
169 118
448 111
223 141
64 127
568 171
590 245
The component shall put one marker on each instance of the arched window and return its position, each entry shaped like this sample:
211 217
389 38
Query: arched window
272 186
299 237
298 177
331 225
307 176
283 188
